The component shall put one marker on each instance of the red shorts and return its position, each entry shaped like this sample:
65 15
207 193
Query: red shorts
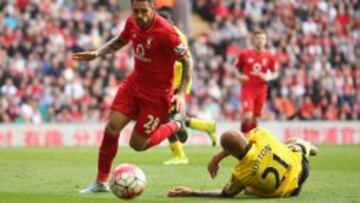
253 101
149 110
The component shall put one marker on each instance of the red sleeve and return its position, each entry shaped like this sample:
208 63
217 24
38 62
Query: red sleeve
239 60
126 33
177 48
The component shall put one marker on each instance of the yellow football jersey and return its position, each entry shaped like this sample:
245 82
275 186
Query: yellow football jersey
269 166
178 65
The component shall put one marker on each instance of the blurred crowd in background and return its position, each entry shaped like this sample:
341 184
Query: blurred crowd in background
317 44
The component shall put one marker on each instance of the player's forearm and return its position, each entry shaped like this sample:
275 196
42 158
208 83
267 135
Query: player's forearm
220 156
237 73
272 76
111 46
214 193
187 64
252 191
234 71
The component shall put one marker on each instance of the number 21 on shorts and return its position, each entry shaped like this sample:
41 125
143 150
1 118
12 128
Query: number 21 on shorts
151 124
276 171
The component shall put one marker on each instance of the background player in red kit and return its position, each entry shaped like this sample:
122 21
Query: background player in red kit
255 68
147 93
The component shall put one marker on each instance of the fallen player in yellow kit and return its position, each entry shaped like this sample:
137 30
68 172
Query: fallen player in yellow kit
266 168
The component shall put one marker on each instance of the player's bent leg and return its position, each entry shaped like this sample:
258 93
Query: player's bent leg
107 151
142 139
208 126
164 131
138 142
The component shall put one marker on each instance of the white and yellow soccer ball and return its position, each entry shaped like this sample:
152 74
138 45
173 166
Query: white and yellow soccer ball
128 181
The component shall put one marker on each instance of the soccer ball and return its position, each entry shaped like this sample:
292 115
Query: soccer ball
128 181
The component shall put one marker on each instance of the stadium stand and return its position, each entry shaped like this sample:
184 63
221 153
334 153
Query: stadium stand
317 46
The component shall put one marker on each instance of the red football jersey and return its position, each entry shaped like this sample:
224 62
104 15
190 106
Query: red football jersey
251 62
156 49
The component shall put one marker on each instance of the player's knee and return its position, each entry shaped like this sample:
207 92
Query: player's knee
112 129
137 146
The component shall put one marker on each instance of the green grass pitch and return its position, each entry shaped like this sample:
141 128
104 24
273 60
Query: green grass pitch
56 175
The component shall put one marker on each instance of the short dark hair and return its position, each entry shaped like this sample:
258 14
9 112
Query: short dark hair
150 1
166 12
258 31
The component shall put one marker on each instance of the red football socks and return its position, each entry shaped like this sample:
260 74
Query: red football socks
107 153
163 132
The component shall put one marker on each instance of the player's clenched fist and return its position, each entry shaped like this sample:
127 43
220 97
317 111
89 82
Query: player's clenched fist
85 56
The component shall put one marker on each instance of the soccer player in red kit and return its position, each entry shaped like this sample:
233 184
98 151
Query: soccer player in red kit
147 93
255 68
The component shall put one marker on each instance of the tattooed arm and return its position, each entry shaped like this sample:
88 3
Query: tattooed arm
187 66
111 46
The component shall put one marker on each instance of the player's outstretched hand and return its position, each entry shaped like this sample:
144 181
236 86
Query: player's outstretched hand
179 103
180 191
84 56
213 168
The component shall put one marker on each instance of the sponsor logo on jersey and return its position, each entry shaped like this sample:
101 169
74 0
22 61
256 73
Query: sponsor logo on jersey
256 68
140 53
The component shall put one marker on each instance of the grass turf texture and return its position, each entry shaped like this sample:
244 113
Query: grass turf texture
56 175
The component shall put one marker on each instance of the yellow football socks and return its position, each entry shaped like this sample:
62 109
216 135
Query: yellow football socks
179 154
177 149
